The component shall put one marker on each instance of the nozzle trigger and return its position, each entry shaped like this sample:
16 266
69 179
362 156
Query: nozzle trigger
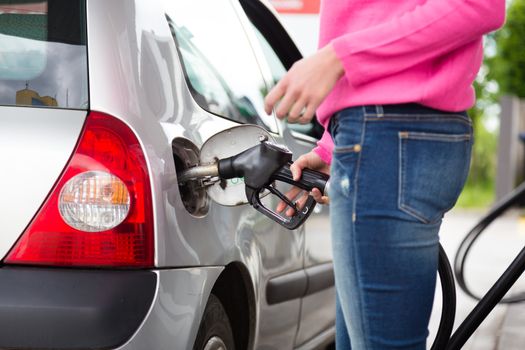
291 223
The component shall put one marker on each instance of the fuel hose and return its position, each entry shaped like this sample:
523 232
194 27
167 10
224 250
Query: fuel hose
448 308
443 339
510 200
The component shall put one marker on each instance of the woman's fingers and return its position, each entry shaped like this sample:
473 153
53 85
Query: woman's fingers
318 196
305 86
299 203
295 195
309 113
286 103
300 198
291 195
309 160
274 95
297 168
297 111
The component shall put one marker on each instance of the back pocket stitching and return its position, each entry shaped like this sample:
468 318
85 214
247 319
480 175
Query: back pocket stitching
425 136
404 135
401 184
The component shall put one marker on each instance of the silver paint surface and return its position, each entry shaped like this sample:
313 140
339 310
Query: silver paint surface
135 75
174 316
35 145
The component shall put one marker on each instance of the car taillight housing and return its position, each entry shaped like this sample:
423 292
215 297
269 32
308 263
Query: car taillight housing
100 212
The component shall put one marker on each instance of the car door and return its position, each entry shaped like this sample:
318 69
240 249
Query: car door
318 304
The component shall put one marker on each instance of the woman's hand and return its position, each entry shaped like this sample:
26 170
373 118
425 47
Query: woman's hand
312 161
305 86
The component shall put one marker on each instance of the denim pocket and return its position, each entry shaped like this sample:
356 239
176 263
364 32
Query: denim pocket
433 168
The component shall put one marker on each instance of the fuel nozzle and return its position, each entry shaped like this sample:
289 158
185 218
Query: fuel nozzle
256 165
261 166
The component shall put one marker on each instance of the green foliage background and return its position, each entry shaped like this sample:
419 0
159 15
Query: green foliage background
508 66
480 187
505 65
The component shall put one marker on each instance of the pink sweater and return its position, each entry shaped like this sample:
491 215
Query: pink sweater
393 51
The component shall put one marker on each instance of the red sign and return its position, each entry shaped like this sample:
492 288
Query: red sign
297 6
38 7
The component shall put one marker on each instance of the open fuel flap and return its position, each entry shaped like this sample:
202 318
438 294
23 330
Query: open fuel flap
243 164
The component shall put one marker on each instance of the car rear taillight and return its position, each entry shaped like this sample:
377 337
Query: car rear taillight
100 211
94 201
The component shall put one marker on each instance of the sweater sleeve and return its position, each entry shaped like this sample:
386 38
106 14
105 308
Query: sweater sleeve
325 147
428 31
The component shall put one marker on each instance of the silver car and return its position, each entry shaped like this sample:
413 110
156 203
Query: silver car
102 104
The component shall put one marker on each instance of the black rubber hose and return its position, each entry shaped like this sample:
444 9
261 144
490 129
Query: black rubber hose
488 302
509 201
448 311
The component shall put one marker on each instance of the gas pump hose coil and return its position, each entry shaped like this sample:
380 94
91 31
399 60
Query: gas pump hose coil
501 207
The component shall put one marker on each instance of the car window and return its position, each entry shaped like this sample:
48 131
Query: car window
218 61
43 58
278 70
276 66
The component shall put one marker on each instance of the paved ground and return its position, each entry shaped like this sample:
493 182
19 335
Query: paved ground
504 329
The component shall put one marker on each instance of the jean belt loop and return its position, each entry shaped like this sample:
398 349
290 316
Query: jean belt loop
379 111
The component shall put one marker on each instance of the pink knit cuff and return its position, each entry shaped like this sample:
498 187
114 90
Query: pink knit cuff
324 148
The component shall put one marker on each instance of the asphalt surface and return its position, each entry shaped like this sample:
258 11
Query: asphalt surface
504 329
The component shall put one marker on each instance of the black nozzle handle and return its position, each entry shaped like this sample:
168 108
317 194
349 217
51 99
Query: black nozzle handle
263 164
290 223
309 180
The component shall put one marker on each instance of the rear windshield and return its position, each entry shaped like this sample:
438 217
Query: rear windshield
43 60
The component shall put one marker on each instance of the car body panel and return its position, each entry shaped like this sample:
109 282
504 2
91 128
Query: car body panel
317 309
135 75
125 70
175 314
35 146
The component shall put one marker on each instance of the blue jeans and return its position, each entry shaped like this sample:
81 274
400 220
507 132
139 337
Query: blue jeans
396 170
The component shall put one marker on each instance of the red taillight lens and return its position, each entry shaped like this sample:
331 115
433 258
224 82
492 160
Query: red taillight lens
107 146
